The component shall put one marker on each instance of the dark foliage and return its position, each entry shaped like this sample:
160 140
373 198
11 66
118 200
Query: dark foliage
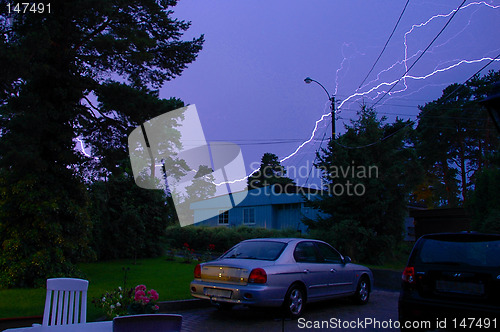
116 52
270 172
454 137
484 202
222 238
129 222
368 173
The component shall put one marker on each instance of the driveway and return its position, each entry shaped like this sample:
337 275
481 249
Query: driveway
377 315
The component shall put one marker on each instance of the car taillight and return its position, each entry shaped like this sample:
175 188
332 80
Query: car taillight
409 275
258 276
197 272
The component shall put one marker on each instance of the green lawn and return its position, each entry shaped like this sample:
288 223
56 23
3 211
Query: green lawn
170 279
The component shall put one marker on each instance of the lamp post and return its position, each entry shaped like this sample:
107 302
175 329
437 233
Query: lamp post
330 98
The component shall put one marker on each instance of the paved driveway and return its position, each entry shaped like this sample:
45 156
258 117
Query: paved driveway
322 316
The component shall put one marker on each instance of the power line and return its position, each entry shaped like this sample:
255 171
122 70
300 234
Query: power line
385 46
423 113
294 140
315 156
421 55
431 116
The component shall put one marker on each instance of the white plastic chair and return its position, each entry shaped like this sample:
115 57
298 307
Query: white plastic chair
66 301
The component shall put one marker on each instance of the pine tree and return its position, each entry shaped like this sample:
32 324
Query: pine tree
368 173
55 66
270 172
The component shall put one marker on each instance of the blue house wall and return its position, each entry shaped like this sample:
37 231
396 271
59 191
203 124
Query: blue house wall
263 207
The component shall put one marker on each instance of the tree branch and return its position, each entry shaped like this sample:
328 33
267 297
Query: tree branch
116 122
97 31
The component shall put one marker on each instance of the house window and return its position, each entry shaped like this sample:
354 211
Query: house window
249 216
223 217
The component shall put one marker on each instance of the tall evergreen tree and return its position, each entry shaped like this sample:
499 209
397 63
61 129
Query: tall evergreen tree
270 172
455 136
55 66
368 173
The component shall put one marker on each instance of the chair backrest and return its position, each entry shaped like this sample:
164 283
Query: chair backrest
148 323
66 301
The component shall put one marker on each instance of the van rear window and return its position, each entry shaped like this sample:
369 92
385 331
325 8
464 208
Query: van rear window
477 253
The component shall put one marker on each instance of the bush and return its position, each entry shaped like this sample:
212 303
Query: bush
200 238
484 201
44 228
356 241
129 221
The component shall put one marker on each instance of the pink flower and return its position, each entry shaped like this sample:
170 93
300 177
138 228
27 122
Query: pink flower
145 300
140 288
156 308
154 296
139 295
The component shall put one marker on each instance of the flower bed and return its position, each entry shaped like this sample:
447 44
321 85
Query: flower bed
133 301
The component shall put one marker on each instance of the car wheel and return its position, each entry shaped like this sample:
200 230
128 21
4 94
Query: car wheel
295 301
362 291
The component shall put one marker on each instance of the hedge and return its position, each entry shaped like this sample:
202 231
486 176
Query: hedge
200 238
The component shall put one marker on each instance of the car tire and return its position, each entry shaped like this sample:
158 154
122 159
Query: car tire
295 300
362 294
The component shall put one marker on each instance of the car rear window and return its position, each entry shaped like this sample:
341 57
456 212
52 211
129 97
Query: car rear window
474 253
262 250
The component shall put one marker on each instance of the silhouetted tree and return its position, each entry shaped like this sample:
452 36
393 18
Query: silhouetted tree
270 172
55 68
454 137
368 174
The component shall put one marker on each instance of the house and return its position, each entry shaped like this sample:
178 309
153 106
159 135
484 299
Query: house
440 220
409 223
272 207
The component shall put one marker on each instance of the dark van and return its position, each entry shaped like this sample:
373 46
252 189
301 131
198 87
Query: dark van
453 278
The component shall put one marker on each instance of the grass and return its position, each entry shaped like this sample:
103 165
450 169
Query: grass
394 267
170 278
398 260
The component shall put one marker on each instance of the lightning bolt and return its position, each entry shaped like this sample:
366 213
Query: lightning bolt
81 147
378 89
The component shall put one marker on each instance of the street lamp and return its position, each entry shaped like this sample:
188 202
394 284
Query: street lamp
330 98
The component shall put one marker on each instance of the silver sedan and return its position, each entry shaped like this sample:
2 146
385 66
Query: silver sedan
281 272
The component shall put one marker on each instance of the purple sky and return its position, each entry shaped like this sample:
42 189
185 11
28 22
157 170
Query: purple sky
248 81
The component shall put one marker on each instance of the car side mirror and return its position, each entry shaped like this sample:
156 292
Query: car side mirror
347 259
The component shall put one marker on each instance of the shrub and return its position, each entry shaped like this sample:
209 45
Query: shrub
218 239
358 242
129 221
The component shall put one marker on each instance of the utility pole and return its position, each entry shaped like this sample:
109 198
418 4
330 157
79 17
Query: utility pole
332 106
331 98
